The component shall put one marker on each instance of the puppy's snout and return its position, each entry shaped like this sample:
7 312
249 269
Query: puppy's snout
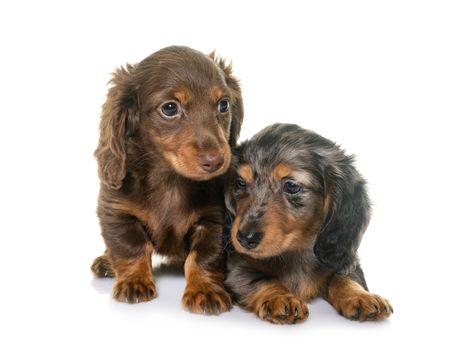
249 240
211 161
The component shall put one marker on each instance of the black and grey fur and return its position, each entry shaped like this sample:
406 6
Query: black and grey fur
331 196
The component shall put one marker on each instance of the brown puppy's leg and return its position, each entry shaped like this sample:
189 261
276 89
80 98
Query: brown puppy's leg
354 302
128 255
203 268
273 302
134 279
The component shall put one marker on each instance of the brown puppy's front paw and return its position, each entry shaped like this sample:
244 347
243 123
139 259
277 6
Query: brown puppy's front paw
209 299
285 309
135 290
365 307
101 267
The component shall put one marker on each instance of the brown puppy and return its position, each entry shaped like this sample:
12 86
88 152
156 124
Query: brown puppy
299 209
167 129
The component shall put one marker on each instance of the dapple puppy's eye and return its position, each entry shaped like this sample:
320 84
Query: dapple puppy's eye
240 184
290 187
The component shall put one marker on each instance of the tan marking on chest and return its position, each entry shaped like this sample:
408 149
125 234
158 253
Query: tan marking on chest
310 287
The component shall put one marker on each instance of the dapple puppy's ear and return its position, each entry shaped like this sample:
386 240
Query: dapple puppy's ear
348 213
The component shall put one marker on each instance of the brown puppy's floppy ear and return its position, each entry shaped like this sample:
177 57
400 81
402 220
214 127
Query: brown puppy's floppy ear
232 174
237 101
119 119
348 214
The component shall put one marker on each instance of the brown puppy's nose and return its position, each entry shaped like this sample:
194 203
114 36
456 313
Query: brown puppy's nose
211 161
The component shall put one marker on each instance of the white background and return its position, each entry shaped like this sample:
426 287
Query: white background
389 81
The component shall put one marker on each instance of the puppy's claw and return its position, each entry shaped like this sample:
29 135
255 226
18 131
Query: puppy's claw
135 290
284 309
365 307
101 267
210 300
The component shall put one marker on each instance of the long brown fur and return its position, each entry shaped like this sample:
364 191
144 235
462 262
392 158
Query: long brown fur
166 132
298 211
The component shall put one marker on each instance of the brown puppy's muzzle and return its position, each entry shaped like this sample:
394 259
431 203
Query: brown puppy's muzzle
211 161
197 157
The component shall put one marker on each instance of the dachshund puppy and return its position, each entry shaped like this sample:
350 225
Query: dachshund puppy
298 210
167 128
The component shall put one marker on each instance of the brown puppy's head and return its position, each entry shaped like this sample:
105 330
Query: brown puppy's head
291 189
178 103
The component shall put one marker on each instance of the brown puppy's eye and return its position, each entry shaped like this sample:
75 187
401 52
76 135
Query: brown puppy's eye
290 187
223 106
169 109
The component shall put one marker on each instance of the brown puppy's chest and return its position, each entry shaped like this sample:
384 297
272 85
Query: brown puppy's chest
174 209
169 207
168 224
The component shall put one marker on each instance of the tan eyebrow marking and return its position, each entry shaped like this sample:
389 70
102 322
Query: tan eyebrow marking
246 172
182 94
215 93
281 170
